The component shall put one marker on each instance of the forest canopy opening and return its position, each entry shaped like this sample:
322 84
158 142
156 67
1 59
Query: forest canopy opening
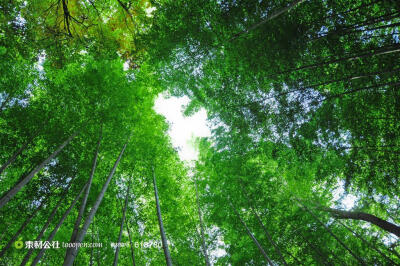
199 132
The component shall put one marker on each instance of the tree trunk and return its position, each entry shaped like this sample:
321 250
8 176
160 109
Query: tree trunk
46 225
131 243
122 226
367 243
379 51
53 233
69 259
160 223
203 241
270 238
84 200
260 248
130 238
91 250
13 157
361 261
324 259
356 215
263 226
21 228
274 15
11 193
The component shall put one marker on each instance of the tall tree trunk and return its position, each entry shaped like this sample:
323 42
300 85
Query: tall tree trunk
53 233
13 157
324 259
339 95
160 223
21 228
84 200
69 259
130 242
203 240
361 261
251 202
260 248
122 226
11 193
46 225
270 238
378 51
367 243
91 250
272 16
130 238
356 215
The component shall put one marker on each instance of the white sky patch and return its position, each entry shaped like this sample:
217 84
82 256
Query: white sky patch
182 129
347 201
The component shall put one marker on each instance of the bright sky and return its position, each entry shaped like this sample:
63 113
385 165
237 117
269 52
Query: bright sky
182 129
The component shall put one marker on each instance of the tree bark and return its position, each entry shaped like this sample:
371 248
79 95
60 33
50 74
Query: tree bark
262 224
84 200
131 243
53 233
274 15
122 226
367 243
203 241
260 248
130 238
270 238
11 193
379 51
13 157
356 215
21 228
46 225
160 223
81 234
361 261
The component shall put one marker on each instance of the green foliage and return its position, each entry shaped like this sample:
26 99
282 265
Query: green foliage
303 99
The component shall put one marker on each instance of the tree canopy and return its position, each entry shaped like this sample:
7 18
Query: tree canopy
302 167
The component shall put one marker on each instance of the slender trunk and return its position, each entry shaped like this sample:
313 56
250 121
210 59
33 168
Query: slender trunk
315 86
91 250
260 248
348 29
160 223
46 225
339 95
262 224
122 226
324 259
84 200
379 51
69 259
361 261
274 15
130 242
270 238
21 228
53 233
130 238
203 241
13 157
353 9
11 193
356 215
367 243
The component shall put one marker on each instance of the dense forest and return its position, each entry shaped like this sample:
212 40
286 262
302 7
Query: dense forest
302 97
